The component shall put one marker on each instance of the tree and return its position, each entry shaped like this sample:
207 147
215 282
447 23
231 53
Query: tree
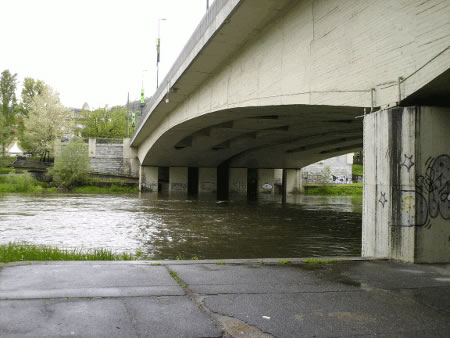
31 88
104 123
72 166
47 121
8 107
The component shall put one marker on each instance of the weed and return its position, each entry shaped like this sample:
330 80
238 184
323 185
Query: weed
221 263
14 252
178 279
321 261
156 264
285 262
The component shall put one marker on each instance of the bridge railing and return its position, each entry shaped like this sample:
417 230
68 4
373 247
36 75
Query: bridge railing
199 32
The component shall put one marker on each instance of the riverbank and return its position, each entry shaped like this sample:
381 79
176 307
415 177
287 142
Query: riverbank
334 189
239 298
18 252
25 184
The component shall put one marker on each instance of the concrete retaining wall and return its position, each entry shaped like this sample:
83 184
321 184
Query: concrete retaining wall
111 156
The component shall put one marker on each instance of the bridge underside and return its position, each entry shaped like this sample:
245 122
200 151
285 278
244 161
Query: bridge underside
289 136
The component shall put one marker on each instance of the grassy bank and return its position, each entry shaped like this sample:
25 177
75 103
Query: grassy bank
26 184
338 189
23 184
16 252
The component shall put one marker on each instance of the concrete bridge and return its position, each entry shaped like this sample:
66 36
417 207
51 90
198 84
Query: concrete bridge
266 84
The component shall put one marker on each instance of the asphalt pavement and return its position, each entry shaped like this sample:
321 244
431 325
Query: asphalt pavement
232 298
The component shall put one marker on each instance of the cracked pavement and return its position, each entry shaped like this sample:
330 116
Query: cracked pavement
242 298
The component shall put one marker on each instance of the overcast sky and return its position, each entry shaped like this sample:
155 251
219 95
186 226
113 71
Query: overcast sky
94 51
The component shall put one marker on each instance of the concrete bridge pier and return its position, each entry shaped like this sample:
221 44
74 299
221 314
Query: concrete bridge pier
406 213
148 179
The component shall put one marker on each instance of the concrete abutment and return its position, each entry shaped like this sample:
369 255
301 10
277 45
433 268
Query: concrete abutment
406 212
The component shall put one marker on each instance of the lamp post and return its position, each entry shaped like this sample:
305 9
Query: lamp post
142 91
158 49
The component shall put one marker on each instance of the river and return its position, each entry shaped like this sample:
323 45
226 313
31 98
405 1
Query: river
167 228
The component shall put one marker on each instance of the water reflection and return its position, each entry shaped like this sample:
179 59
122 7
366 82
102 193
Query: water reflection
164 228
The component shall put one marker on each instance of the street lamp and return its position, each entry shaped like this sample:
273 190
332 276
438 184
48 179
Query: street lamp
158 49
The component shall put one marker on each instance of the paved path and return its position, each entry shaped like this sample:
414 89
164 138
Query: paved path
240 299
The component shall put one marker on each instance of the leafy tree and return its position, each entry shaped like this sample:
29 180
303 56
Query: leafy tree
8 107
104 123
31 88
47 121
72 166
5 133
325 175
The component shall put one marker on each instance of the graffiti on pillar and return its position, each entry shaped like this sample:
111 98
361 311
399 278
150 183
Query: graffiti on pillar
267 187
434 186
208 186
149 187
178 187
239 186
407 162
383 199
431 198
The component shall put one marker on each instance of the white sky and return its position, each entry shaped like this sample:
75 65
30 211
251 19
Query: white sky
94 51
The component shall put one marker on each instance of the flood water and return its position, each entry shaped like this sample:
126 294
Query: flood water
167 228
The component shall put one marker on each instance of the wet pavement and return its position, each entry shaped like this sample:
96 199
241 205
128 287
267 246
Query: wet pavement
239 298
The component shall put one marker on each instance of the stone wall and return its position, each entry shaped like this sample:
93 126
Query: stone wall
111 156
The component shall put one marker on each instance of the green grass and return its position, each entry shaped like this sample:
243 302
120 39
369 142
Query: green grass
338 189
178 279
114 189
221 263
16 252
284 262
357 170
6 171
156 264
321 261
22 184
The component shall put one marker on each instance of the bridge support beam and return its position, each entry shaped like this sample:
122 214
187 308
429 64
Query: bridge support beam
406 213
178 180
148 179
294 181
207 182
237 180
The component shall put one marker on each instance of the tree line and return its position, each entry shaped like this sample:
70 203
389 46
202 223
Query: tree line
38 118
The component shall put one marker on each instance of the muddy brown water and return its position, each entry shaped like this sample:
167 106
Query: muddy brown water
164 227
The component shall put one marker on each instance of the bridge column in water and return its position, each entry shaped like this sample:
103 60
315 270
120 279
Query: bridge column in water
406 212
148 179
294 181
237 181
207 180
178 180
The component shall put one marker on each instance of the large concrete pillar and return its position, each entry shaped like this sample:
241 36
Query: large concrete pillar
294 181
178 180
207 182
266 181
148 179
406 213
237 180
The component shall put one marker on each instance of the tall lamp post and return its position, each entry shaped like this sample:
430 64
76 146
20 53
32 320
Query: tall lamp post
158 50
142 91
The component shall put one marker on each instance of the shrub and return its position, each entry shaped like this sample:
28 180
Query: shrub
72 166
